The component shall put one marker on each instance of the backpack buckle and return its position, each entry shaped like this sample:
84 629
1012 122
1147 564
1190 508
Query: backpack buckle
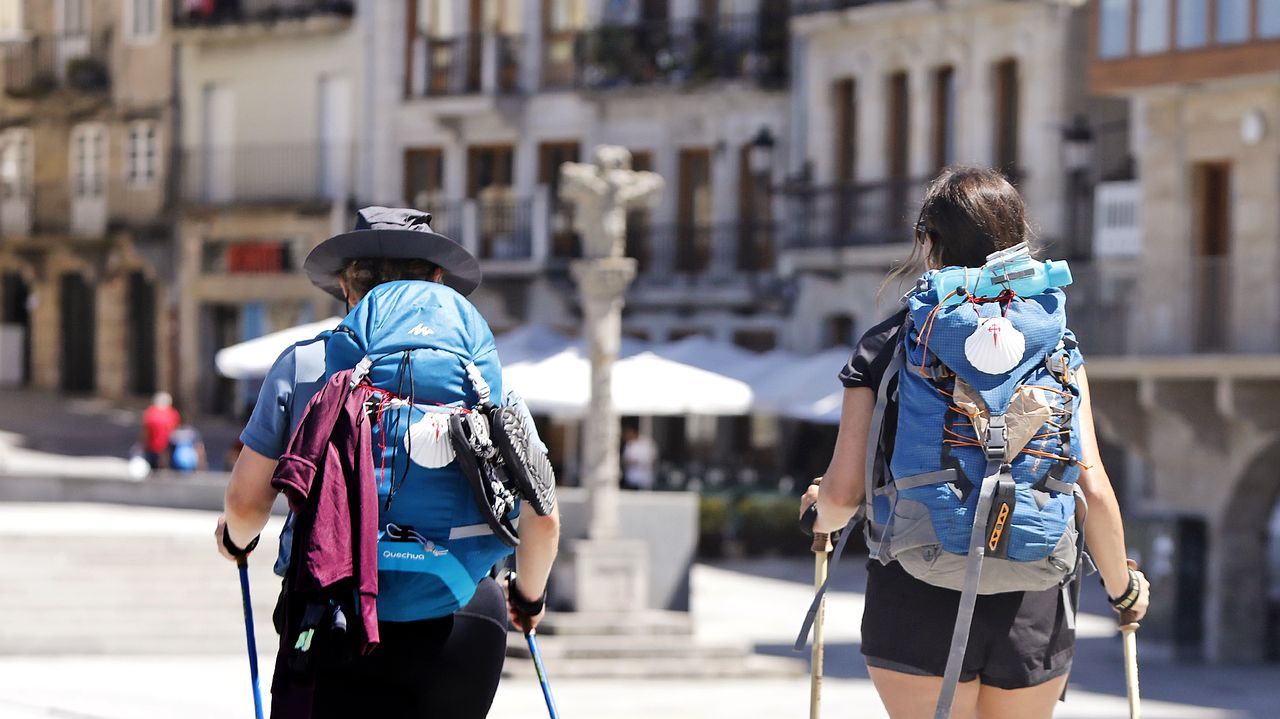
997 440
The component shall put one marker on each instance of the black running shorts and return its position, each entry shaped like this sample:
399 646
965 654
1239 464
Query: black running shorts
1018 639
435 668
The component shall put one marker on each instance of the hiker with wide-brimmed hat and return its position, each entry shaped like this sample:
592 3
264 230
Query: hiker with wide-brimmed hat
441 631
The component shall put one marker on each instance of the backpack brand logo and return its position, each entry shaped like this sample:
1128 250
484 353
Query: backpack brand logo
422 331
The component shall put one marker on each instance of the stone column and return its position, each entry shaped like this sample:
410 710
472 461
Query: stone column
604 572
602 284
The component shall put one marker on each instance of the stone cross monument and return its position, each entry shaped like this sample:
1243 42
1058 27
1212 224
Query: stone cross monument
611 574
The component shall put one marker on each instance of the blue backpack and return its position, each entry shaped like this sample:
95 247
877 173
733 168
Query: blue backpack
429 355
980 495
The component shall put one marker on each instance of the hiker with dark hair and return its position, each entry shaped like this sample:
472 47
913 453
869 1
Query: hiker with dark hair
411 359
967 434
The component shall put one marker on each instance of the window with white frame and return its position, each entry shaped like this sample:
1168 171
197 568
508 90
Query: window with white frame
141 20
11 26
88 160
142 153
71 17
16 163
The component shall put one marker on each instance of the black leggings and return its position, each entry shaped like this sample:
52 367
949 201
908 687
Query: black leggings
446 667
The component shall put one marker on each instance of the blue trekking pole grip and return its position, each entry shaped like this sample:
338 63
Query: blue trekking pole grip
243 564
529 636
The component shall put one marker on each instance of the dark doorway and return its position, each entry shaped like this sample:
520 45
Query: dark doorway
1211 270
565 243
141 347
14 296
78 324
220 328
693 212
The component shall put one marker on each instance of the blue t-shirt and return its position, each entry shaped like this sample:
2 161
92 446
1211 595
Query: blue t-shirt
297 375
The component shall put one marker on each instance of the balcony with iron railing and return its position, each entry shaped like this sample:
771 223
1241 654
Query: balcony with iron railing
84 207
40 64
1171 306
850 214
679 53
303 173
232 13
467 64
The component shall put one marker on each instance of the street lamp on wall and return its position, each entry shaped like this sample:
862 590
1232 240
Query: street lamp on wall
1077 144
760 156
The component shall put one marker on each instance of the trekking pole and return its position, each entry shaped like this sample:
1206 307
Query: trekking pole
821 548
243 564
529 636
1129 633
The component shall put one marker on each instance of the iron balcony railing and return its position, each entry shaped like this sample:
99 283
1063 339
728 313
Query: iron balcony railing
850 214
716 249
231 12
87 207
467 64
258 174
750 47
43 63
454 64
1177 306
504 228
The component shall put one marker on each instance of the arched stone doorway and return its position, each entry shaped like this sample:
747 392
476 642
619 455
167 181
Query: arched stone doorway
140 343
1241 574
78 324
15 319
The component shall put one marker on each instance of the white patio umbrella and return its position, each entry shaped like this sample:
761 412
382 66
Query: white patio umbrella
252 359
725 358
643 384
805 388
531 343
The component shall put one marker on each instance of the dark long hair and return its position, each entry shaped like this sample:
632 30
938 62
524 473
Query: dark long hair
968 213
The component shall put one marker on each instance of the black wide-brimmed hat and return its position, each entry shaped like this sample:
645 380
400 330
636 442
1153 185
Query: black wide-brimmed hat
392 232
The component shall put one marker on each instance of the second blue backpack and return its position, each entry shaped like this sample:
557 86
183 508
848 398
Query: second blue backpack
429 354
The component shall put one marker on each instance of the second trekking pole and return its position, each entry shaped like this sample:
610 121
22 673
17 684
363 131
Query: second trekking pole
243 564
821 551
542 672
1129 633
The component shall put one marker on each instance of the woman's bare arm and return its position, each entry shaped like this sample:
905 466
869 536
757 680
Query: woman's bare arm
1103 527
841 490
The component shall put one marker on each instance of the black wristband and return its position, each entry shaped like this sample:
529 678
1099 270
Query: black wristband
524 606
231 547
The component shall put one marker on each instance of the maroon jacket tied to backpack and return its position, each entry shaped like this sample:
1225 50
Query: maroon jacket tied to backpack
327 474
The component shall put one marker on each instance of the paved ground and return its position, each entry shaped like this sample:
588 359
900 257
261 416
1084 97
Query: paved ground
759 600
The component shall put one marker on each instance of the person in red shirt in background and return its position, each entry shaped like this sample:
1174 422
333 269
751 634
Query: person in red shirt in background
158 422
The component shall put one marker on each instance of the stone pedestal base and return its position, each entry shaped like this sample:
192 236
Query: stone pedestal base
599 575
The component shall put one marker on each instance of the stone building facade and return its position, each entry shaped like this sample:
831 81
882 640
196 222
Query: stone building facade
272 105
1187 374
84 133
492 97
884 95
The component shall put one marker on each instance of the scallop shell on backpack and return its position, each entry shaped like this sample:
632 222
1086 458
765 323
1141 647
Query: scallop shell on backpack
427 441
995 347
